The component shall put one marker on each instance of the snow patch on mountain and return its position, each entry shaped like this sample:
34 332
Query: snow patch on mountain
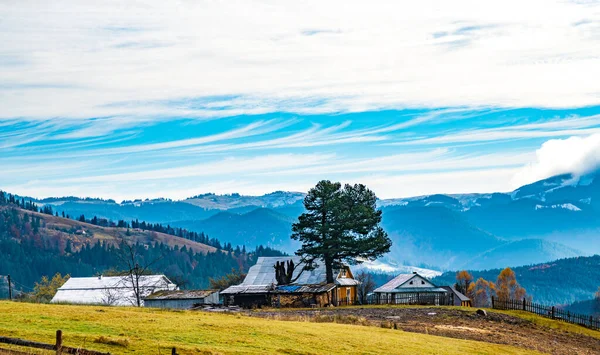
392 268
567 206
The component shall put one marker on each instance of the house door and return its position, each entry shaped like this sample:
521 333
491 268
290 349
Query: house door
348 295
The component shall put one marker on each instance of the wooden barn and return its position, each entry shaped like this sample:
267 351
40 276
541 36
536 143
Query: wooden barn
182 299
110 291
308 288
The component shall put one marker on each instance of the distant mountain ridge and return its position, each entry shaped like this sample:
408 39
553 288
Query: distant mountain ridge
558 217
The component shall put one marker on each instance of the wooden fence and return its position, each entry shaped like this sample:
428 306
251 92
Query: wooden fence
413 299
57 347
547 311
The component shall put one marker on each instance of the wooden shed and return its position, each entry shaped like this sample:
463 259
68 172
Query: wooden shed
459 298
182 299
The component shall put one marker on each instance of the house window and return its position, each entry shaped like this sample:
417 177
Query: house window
422 282
411 282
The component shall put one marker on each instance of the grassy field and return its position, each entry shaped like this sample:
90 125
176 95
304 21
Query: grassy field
151 331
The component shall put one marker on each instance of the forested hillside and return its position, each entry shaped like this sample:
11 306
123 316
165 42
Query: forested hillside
34 244
560 282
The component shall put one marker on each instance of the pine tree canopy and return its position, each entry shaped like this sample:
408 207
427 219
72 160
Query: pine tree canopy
340 225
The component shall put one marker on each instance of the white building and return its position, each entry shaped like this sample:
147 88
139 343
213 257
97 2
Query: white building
113 291
411 289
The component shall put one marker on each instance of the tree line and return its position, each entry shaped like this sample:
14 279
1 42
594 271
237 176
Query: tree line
481 291
10 199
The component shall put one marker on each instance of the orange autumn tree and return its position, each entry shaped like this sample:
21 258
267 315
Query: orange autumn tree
464 280
507 286
481 292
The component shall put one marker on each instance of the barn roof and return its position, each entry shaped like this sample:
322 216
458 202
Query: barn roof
102 282
263 272
180 294
261 276
114 290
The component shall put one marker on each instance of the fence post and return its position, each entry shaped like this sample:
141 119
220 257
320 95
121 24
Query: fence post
9 287
552 312
173 351
493 303
524 304
59 342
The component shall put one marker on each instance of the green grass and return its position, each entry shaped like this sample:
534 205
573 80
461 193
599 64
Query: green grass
150 331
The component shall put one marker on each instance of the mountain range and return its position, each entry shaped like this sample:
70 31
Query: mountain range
547 220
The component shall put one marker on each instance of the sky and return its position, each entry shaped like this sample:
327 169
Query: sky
147 99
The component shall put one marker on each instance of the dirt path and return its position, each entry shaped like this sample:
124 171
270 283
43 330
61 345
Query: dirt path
494 328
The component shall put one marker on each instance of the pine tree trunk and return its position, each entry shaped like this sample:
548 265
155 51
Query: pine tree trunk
329 270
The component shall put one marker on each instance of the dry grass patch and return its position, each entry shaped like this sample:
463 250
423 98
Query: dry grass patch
153 331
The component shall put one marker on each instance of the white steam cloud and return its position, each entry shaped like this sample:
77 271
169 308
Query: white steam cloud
575 155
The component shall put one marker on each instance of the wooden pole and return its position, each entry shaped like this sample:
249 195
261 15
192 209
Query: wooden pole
59 342
173 351
524 304
9 288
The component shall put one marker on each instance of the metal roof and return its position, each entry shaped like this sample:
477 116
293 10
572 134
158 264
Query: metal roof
261 276
102 282
263 273
232 290
305 288
180 295
115 290
459 294
394 284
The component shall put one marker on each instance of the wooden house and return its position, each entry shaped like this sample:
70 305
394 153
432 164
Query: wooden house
307 287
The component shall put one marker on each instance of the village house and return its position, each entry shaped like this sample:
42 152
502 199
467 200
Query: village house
307 287
412 289
182 299
112 291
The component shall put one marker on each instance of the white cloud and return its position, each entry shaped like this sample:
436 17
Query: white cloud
576 155
126 59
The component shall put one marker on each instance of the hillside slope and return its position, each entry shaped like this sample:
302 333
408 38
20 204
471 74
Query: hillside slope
559 282
261 226
81 233
158 331
33 245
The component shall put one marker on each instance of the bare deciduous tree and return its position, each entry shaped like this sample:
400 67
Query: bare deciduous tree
110 296
135 267
366 286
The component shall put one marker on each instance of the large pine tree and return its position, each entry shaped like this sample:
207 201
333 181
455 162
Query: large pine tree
340 225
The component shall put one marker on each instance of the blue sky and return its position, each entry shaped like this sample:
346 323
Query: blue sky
123 101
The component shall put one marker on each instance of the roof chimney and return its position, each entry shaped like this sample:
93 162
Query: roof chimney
100 277
414 272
